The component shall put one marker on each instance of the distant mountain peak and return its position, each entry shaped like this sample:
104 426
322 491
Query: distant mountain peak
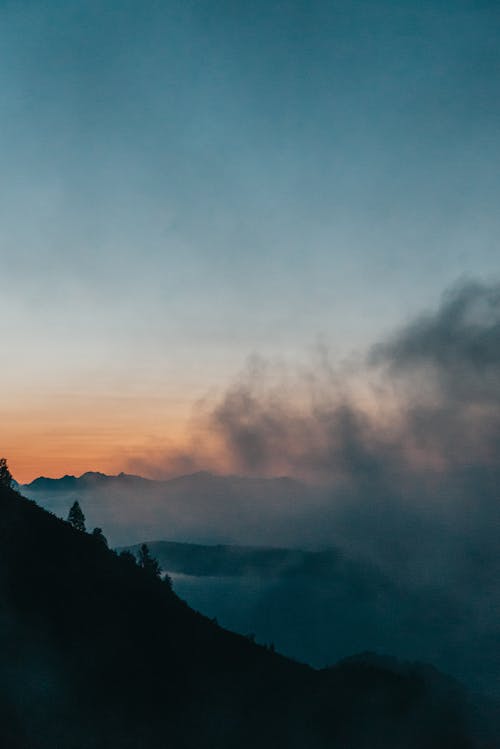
44 482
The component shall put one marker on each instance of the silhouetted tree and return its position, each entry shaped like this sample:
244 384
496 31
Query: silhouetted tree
148 562
76 517
99 536
5 475
128 557
167 580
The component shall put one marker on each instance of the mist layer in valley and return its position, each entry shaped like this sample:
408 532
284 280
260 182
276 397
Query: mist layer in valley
314 605
391 464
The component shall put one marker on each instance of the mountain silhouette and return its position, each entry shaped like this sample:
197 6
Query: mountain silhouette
97 653
321 606
316 607
201 507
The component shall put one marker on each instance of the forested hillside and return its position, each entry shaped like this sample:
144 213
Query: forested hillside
96 652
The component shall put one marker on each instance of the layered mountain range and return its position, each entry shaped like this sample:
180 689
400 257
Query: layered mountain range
270 557
95 652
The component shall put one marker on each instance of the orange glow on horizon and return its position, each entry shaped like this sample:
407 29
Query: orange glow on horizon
157 437
74 434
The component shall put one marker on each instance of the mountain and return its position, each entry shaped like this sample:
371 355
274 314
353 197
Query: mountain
319 607
229 560
316 607
200 507
95 653
69 483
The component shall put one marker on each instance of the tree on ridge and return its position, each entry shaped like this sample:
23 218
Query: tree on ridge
76 518
5 475
148 562
100 537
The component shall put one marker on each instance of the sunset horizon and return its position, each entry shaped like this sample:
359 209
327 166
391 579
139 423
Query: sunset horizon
250 374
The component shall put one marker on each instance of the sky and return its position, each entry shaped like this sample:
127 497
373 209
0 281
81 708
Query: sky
185 185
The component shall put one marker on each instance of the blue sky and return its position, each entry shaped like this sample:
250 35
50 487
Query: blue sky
186 183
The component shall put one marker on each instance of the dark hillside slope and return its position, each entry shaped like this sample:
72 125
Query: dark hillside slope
94 653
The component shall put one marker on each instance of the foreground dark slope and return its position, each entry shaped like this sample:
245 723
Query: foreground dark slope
321 606
94 653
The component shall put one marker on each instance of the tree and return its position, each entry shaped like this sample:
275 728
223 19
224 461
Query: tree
6 479
148 562
167 580
128 557
76 518
100 537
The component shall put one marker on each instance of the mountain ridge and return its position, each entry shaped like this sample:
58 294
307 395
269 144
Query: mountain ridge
200 507
112 658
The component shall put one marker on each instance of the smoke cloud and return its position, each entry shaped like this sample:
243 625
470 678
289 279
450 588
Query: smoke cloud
393 460
405 443
431 402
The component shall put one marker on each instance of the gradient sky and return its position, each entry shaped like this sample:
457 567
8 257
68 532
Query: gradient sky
185 183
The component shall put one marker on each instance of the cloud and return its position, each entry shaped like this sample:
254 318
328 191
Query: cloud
459 344
405 443
449 364
428 398
423 403
403 449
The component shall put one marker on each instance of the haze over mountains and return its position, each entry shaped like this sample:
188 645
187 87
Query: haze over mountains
250 265
319 607
201 507
396 550
308 588
97 653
